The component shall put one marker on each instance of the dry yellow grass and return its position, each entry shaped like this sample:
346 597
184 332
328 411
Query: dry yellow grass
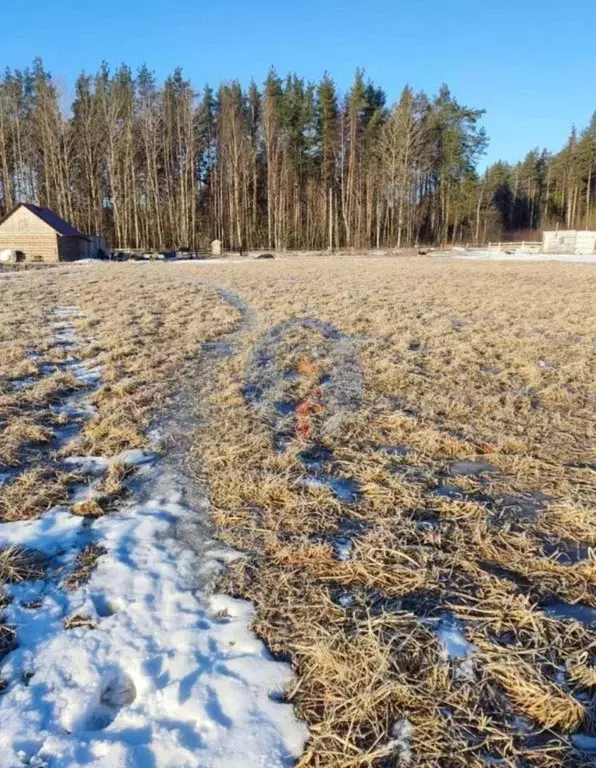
84 564
18 564
143 333
459 362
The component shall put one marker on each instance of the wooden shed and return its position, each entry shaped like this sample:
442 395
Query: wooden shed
38 234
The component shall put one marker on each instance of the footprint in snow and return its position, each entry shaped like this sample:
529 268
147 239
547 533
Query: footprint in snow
117 691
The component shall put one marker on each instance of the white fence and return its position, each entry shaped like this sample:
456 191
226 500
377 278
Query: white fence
523 246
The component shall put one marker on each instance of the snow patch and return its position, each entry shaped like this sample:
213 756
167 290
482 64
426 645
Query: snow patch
343 547
56 531
90 375
453 641
89 465
402 737
455 648
168 674
160 672
135 457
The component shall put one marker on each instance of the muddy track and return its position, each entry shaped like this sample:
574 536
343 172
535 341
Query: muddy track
266 383
174 431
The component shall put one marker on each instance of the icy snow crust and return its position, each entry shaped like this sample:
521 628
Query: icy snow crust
166 674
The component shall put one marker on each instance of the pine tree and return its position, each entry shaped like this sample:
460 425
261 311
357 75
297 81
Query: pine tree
291 165
586 152
326 151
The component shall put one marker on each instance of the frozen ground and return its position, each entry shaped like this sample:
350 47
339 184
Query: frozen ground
502 256
161 673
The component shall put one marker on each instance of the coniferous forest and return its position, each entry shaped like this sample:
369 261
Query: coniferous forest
286 164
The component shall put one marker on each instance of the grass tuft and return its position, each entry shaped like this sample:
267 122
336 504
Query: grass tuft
18 564
84 564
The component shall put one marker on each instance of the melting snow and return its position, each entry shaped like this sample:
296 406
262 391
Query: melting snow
582 613
343 548
402 736
456 648
453 641
168 674
345 490
584 742
164 673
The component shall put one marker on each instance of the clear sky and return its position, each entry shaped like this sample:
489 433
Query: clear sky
530 63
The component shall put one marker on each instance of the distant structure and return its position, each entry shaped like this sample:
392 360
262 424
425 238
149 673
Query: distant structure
216 247
38 234
578 242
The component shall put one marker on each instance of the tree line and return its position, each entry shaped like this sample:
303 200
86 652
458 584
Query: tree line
290 164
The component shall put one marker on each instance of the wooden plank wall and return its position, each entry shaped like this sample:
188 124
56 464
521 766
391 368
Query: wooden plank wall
23 222
35 247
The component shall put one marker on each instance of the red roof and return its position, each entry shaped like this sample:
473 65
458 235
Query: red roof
50 218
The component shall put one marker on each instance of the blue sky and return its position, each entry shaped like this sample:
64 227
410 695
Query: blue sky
530 64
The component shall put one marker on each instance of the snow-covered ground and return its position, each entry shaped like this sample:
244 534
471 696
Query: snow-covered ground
164 674
518 256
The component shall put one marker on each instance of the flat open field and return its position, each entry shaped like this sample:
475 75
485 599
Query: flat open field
402 450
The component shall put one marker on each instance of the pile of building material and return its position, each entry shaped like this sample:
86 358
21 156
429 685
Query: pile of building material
577 242
9 256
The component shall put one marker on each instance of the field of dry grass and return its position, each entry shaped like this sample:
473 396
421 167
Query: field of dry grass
403 448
